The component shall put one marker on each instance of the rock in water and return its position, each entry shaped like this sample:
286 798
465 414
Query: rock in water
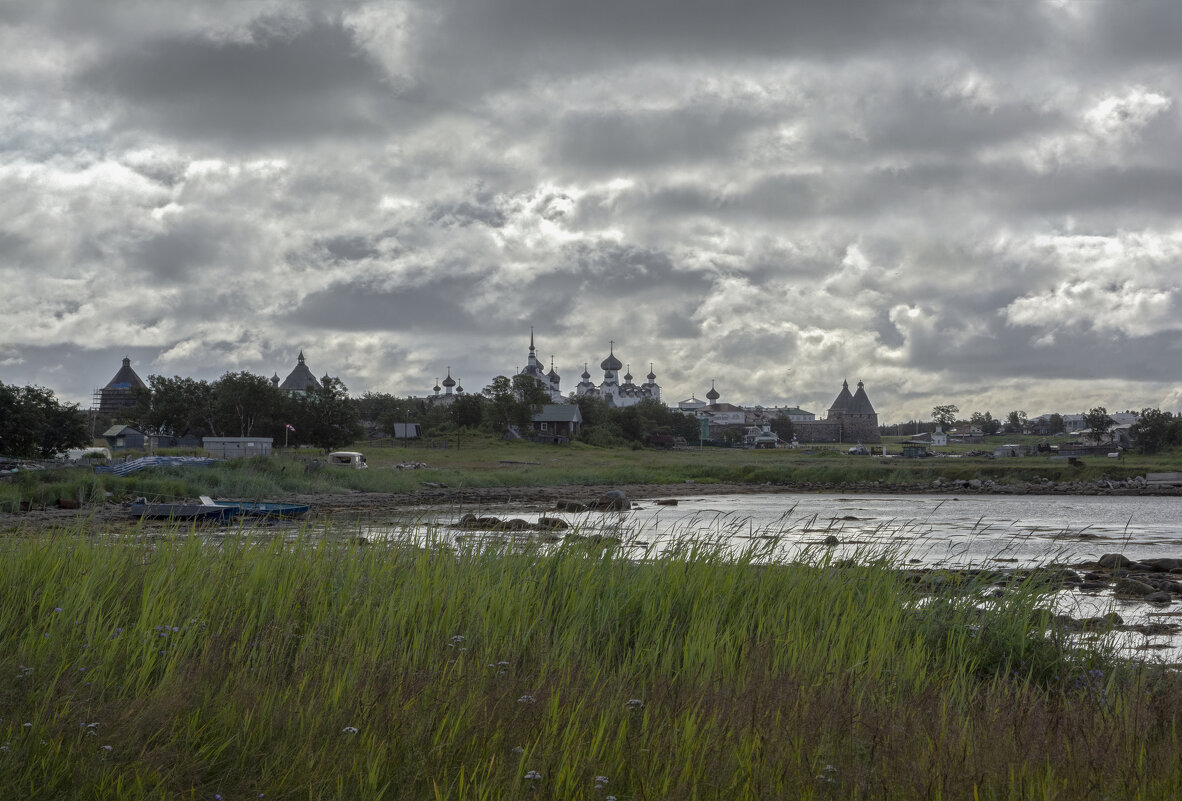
1114 560
613 499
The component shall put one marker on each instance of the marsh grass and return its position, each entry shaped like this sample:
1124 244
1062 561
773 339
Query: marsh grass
321 667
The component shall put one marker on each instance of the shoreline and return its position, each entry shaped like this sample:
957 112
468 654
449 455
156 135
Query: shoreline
440 496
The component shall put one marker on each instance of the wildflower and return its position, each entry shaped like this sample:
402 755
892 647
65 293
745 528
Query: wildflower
517 749
57 609
600 781
92 725
454 640
4 747
349 730
106 748
527 699
634 703
609 798
533 776
28 725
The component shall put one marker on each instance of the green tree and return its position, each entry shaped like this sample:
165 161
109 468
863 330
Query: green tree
945 416
326 416
244 401
782 427
467 411
985 422
33 424
1016 422
1156 430
1055 424
176 406
1098 422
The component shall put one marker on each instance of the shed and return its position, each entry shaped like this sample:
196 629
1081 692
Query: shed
558 419
237 447
125 438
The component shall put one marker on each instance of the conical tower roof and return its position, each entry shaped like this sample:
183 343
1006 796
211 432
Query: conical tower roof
300 378
861 403
126 378
844 402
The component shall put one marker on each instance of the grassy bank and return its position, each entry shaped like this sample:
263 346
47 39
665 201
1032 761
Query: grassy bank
484 461
322 668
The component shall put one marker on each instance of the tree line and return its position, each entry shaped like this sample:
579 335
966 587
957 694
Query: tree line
35 425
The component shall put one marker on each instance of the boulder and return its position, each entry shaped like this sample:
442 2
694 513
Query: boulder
1133 587
667 502
831 540
1164 564
1114 560
552 523
1158 597
612 500
571 506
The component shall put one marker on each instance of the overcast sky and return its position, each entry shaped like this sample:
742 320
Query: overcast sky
955 201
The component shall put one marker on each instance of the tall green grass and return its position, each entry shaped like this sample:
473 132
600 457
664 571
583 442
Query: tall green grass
320 667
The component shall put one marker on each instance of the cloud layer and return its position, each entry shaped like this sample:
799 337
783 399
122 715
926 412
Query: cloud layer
954 201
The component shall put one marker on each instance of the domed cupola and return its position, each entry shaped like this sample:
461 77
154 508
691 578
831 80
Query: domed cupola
651 375
628 375
449 382
611 363
586 375
436 387
712 395
553 374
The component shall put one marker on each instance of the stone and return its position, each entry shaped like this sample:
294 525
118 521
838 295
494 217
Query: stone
667 502
571 506
613 500
1114 560
1163 564
1158 597
831 540
1133 587
552 523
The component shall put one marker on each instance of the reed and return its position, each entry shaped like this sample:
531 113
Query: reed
320 666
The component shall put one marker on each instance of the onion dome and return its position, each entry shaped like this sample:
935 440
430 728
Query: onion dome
275 380
628 375
552 374
586 376
459 389
712 395
611 362
651 375
449 381
437 385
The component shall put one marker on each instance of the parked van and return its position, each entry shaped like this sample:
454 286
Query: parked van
351 459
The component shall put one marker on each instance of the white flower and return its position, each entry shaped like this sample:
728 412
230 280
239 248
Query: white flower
533 776
527 699
634 703
349 730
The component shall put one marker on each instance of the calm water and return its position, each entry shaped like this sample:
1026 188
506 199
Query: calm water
931 530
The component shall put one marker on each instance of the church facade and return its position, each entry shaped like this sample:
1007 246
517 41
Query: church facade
851 418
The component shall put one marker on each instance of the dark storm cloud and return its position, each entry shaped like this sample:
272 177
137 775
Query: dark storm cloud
280 85
744 27
643 140
183 248
432 307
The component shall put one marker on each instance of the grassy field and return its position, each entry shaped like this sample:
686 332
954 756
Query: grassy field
319 668
485 461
